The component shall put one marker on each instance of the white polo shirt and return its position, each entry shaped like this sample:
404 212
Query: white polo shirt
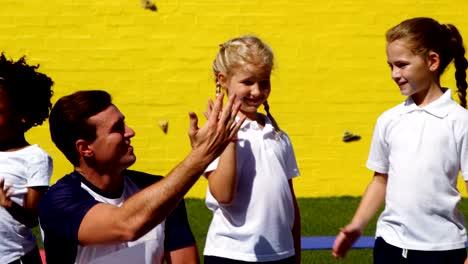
422 150
257 225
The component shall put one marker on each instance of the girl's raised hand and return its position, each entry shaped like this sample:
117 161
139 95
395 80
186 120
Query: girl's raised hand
212 138
5 200
345 240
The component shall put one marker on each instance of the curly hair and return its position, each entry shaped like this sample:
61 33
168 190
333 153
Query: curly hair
29 91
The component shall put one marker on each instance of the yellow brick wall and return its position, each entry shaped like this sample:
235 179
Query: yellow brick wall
331 72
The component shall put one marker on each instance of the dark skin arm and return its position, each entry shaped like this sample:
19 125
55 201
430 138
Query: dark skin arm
186 255
27 214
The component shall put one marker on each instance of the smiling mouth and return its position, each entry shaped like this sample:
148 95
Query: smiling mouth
251 101
400 84
130 149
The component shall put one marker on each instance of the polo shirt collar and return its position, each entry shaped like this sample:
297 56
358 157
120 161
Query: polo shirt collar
438 108
252 124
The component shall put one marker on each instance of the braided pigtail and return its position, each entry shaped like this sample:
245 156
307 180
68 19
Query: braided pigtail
270 116
461 64
218 87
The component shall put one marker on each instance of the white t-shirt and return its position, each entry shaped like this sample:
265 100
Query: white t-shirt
64 206
257 225
24 168
151 245
422 150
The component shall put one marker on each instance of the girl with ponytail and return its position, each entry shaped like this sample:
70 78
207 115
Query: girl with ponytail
417 151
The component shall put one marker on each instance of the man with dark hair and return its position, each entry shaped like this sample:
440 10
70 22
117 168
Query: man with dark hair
102 212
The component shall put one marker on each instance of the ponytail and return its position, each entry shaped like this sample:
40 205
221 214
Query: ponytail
461 64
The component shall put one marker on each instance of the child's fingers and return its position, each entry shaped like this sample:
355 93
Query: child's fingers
5 194
8 191
341 245
350 230
344 230
337 246
345 240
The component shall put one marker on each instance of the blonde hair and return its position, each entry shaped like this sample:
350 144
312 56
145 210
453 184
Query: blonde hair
241 51
425 35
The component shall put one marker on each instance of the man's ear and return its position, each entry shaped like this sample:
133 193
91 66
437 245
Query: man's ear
433 60
83 148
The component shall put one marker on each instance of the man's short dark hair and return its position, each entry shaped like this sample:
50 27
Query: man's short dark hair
68 120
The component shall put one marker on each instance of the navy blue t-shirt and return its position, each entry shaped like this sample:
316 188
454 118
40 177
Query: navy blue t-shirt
65 204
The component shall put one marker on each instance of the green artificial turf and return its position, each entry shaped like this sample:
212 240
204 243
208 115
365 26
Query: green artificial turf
319 217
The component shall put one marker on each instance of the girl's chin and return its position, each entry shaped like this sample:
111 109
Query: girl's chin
251 105
249 113
249 109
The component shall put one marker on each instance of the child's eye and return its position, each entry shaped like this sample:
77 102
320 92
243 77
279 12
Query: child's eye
401 65
248 82
265 83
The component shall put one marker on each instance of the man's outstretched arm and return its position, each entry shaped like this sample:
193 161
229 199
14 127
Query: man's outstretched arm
105 223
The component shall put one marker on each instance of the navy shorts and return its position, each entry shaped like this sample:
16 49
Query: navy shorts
218 260
385 253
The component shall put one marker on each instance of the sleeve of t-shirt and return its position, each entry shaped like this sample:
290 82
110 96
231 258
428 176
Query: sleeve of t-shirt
464 155
292 169
213 166
378 154
62 209
40 170
178 233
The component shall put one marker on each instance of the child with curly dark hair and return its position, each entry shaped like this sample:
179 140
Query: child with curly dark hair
25 169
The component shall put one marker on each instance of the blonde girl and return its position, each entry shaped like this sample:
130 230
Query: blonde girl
255 212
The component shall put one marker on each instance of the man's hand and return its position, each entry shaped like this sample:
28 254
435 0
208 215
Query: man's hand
211 139
209 108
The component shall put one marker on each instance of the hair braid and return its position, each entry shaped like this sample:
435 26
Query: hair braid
461 64
270 116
